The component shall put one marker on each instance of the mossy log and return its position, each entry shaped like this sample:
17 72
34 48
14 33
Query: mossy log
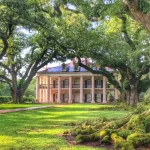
86 138
125 133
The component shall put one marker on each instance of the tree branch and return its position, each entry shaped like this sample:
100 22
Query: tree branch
103 72
124 30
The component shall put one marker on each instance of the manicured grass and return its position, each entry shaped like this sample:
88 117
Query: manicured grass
40 129
14 106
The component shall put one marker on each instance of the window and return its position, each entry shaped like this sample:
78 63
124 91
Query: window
88 82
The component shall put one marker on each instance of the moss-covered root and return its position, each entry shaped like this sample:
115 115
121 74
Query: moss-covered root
139 139
117 140
84 131
117 123
86 138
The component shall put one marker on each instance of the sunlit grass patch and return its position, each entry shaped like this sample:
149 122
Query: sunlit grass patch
40 129
14 106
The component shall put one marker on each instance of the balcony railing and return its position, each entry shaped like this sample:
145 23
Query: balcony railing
44 86
54 86
75 85
98 86
87 85
64 85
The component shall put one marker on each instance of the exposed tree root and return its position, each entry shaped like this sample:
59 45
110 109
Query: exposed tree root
125 133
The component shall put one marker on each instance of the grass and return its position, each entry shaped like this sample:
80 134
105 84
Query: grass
14 106
39 129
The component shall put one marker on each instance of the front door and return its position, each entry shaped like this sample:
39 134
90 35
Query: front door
54 98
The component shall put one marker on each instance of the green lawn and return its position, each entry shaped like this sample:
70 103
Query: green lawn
14 106
39 129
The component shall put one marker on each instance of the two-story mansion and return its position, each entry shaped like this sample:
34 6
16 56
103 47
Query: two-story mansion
69 83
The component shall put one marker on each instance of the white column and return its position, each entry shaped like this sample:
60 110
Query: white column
40 95
81 89
42 98
50 97
59 89
48 89
37 88
70 90
104 90
44 90
93 101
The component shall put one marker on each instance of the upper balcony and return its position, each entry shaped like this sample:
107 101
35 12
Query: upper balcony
86 86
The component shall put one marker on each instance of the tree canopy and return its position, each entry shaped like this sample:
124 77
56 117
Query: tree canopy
103 30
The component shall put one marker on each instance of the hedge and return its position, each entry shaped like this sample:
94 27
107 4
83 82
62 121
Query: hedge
6 99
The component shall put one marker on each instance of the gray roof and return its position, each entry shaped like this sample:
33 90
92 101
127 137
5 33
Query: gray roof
69 68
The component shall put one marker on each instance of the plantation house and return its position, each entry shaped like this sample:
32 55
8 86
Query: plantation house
69 83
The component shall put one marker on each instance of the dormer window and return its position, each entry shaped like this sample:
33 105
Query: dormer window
76 67
64 67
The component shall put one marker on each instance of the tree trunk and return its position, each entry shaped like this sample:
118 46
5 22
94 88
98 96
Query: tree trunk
132 97
20 96
17 95
137 14
14 96
123 96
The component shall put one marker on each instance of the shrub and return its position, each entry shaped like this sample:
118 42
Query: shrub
146 99
5 99
140 108
29 99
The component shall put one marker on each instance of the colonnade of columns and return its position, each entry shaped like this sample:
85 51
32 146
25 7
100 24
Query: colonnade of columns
46 94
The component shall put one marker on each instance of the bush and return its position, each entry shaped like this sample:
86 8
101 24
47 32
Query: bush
146 99
29 99
5 99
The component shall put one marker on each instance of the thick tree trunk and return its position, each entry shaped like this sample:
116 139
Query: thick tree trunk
132 97
123 95
17 96
20 96
14 96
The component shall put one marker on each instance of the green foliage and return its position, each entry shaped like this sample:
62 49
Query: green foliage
144 5
146 99
140 108
4 89
30 91
115 107
5 99
29 99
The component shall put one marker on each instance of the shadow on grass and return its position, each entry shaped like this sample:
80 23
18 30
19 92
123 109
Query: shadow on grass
40 127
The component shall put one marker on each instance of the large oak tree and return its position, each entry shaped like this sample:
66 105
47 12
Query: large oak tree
23 54
123 50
